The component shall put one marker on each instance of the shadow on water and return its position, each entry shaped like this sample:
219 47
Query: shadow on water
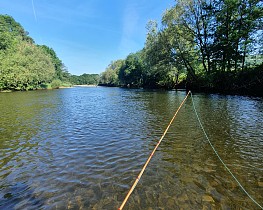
82 148
19 196
186 173
23 117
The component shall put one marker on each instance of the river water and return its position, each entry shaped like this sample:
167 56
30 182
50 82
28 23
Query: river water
82 148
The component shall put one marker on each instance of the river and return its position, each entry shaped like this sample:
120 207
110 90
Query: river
82 148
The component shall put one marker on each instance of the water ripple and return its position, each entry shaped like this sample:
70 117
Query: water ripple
82 148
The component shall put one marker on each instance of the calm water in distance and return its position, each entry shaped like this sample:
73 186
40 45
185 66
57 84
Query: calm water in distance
82 148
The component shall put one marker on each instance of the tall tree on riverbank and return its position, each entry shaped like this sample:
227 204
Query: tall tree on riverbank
237 23
61 72
215 43
24 65
9 25
110 75
131 71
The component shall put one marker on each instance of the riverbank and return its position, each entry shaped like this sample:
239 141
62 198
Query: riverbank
63 87
242 91
85 85
45 86
248 82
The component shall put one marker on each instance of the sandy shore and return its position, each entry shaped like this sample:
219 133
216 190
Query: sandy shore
84 85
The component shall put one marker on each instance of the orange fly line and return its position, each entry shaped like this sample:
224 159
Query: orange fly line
150 157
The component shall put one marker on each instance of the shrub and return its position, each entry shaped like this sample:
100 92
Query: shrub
56 83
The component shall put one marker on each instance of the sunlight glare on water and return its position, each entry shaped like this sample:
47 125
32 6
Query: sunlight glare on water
82 148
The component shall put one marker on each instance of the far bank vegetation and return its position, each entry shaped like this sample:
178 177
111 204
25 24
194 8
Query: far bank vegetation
201 45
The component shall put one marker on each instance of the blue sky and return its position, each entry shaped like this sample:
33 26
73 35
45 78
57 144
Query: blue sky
87 35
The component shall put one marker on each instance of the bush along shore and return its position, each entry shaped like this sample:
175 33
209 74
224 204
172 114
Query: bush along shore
199 46
24 65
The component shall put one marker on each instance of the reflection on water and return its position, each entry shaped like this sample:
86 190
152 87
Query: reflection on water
82 148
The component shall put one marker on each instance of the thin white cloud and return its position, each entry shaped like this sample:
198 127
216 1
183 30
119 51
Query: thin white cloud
33 6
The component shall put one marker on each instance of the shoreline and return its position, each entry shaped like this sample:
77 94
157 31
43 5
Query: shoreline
63 87
85 85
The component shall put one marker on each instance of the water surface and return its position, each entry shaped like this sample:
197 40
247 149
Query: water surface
82 148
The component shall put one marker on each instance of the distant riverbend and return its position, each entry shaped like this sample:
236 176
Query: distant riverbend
82 148
84 85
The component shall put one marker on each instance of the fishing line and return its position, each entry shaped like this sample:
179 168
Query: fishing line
202 127
151 155
221 160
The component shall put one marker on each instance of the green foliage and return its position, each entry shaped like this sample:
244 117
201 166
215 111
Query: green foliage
8 24
6 40
24 65
84 79
203 44
130 73
45 86
61 72
182 77
66 84
56 83
110 75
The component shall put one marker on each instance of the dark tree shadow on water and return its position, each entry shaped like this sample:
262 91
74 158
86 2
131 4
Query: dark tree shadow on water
19 196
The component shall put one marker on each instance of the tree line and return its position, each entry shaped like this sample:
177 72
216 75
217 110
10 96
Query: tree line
25 65
199 44
85 79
